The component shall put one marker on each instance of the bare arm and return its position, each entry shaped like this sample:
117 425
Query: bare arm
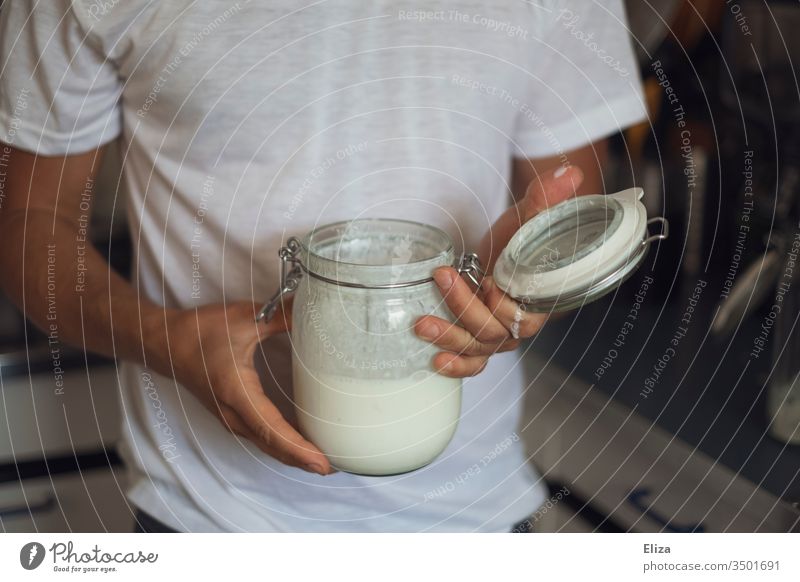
590 158
44 242
530 174
43 230
486 320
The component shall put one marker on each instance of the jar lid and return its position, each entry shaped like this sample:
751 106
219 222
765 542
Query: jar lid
576 251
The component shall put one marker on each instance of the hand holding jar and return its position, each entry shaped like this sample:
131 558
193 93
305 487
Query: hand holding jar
210 350
487 319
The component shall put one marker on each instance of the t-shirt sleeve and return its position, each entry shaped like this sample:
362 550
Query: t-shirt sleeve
58 93
585 81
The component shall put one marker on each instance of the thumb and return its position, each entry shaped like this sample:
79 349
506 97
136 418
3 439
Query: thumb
280 321
268 429
550 188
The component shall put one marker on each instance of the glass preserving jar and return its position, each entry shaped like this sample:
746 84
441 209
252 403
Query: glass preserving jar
364 388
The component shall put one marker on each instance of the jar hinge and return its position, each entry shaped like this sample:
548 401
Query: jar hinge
290 278
664 234
470 265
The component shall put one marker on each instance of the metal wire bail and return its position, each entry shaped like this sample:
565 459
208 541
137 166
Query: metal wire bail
663 235
470 265
290 279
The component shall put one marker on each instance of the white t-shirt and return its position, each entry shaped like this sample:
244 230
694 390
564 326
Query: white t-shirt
245 122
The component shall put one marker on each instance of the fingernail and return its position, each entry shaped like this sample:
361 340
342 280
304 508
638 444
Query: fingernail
428 330
444 279
560 171
314 468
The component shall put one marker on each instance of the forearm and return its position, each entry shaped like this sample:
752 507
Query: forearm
590 159
67 289
499 234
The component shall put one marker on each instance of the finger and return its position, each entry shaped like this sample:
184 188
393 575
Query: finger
235 424
550 188
271 432
455 366
248 311
468 309
454 338
519 322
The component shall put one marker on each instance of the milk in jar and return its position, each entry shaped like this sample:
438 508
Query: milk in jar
365 390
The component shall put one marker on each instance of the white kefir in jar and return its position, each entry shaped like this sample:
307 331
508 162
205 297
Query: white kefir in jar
377 426
364 386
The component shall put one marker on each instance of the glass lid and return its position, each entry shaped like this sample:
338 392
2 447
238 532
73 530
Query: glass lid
567 233
576 251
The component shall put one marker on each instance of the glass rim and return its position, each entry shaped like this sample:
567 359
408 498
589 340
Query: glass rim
308 250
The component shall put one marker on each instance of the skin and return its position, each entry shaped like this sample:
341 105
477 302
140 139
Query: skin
484 316
111 317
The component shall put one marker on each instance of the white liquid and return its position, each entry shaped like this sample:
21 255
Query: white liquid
377 427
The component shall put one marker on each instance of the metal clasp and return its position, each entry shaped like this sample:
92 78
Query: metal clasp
660 236
470 265
290 278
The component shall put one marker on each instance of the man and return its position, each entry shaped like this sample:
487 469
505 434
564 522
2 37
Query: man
243 123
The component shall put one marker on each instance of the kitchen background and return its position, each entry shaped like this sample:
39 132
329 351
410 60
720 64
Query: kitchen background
671 405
